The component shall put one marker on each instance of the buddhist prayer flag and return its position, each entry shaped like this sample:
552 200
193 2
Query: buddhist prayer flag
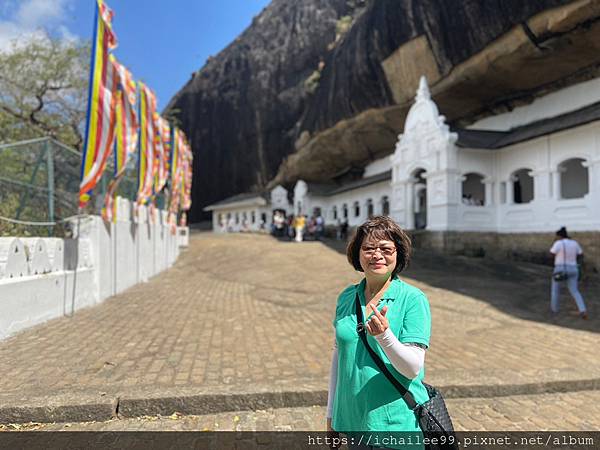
174 163
146 164
176 175
161 149
187 186
183 181
126 133
100 122
127 123
121 120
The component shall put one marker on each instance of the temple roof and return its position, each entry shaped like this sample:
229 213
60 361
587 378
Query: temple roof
489 139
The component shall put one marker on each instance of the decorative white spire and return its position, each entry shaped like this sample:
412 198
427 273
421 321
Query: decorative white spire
423 91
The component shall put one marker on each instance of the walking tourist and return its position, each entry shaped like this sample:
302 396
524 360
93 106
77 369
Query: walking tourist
344 230
320 222
311 227
290 227
299 224
566 252
398 325
278 222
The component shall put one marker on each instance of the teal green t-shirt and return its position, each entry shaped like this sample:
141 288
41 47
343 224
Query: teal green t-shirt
365 400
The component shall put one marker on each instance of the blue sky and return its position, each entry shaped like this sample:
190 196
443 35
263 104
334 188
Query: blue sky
161 42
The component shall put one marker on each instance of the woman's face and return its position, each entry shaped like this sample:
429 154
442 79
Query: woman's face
377 257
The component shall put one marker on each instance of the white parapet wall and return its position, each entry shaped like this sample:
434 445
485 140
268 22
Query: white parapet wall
45 278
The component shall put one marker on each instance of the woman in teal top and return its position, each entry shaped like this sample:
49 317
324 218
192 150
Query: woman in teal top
398 324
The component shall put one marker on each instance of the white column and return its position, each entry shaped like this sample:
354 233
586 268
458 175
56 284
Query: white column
591 175
510 190
410 206
542 184
459 186
556 184
215 221
488 191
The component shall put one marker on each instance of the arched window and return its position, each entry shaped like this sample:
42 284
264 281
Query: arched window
237 217
334 212
522 186
369 208
473 190
253 217
345 211
385 205
574 180
356 209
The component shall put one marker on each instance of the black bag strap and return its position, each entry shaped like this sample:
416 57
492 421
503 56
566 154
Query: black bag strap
360 328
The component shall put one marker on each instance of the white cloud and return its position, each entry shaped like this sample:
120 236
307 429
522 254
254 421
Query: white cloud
35 13
30 18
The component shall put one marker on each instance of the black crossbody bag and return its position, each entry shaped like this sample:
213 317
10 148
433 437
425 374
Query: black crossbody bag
433 417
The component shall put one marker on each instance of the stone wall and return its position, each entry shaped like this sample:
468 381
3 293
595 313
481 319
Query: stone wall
532 247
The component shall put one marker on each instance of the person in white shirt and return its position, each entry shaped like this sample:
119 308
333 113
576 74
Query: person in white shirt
566 252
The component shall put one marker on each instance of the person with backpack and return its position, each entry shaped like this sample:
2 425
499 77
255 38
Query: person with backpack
566 253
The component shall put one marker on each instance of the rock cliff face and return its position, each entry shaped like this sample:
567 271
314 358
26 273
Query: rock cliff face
240 110
289 83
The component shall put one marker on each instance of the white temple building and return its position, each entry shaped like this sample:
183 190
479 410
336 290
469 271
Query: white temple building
533 169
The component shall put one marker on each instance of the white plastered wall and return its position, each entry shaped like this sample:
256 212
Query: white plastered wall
101 260
374 192
548 211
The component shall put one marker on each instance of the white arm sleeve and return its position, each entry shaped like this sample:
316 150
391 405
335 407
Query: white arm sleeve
406 359
332 382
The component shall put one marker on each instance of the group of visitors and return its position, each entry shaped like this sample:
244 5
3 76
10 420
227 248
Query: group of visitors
298 227
467 199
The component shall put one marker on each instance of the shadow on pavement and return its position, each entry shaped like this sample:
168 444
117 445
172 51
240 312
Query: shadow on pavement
517 288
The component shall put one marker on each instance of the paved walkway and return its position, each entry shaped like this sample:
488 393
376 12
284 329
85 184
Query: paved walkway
244 322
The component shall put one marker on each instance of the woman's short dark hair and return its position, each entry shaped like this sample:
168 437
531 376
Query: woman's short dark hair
381 228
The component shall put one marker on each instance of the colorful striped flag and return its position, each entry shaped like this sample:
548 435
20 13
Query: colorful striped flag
127 125
187 175
100 123
146 163
162 147
126 134
175 173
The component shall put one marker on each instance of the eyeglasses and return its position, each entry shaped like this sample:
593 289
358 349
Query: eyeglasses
385 251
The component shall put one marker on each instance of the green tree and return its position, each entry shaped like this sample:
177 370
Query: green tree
43 90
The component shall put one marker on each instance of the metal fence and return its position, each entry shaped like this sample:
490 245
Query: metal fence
39 187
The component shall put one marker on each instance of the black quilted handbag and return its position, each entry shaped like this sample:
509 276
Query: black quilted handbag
435 421
433 417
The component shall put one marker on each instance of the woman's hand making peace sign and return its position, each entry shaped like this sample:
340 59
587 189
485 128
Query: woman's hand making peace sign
377 323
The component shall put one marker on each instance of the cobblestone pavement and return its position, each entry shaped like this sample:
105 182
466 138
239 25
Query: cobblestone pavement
576 411
247 313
